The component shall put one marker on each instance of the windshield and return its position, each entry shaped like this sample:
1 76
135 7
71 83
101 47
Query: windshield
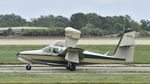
47 49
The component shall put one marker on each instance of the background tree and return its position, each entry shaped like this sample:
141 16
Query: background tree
91 24
91 30
43 21
145 25
61 21
94 19
11 20
135 25
50 21
78 20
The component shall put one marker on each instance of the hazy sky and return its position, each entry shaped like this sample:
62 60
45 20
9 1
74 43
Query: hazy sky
137 9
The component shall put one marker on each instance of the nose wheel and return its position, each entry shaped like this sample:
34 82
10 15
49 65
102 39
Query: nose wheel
71 66
28 67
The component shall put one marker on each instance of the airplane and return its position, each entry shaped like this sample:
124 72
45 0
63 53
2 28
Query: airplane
67 54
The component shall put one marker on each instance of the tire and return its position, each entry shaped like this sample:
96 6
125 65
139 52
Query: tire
28 67
72 67
67 67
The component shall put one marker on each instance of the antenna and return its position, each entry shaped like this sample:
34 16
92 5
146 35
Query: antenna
124 24
124 30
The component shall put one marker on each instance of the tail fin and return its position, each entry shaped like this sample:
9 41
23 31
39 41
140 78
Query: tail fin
125 47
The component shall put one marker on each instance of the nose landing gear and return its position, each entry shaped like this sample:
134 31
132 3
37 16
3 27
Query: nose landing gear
28 67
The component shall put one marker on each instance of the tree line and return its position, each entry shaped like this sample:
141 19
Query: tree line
90 24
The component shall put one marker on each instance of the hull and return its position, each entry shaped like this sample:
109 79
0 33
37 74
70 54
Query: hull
60 60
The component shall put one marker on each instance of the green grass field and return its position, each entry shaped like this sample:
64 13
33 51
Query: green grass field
8 52
74 78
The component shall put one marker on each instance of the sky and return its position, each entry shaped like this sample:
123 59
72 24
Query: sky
137 9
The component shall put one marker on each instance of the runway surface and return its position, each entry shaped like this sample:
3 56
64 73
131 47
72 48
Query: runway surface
94 41
99 69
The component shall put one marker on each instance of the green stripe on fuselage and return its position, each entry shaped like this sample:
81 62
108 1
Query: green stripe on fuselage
62 62
100 57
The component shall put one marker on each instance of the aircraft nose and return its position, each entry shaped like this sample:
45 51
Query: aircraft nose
31 52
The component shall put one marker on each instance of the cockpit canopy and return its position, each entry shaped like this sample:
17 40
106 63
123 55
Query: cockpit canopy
50 49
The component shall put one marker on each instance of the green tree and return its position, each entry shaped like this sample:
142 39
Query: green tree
135 25
9 32
11 20
43 21
145 24
94 19
78 20
50 21
144 33
90 30
60 21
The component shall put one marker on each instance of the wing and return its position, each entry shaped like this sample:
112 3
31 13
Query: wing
71 37
73 54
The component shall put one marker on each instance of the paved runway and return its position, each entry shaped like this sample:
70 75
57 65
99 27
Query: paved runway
138 41
99 69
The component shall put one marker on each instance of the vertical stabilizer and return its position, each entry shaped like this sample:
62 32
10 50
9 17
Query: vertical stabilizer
125 47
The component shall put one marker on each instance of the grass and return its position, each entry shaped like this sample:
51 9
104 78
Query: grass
8 52
74 78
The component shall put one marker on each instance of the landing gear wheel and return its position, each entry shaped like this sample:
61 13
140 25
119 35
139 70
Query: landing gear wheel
28 67
71 66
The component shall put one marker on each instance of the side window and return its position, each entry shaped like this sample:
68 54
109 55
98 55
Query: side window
56 50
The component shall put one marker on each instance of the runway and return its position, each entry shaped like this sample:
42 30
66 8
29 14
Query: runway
90 41
98 69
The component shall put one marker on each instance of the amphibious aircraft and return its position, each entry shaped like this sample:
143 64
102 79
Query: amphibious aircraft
67 54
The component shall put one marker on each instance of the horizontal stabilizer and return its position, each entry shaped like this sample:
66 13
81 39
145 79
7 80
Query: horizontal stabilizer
106 52
128 39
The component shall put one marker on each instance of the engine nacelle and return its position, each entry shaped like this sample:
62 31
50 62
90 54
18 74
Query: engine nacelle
72 36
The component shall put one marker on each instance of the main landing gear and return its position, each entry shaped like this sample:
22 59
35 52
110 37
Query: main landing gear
28 67
71 66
